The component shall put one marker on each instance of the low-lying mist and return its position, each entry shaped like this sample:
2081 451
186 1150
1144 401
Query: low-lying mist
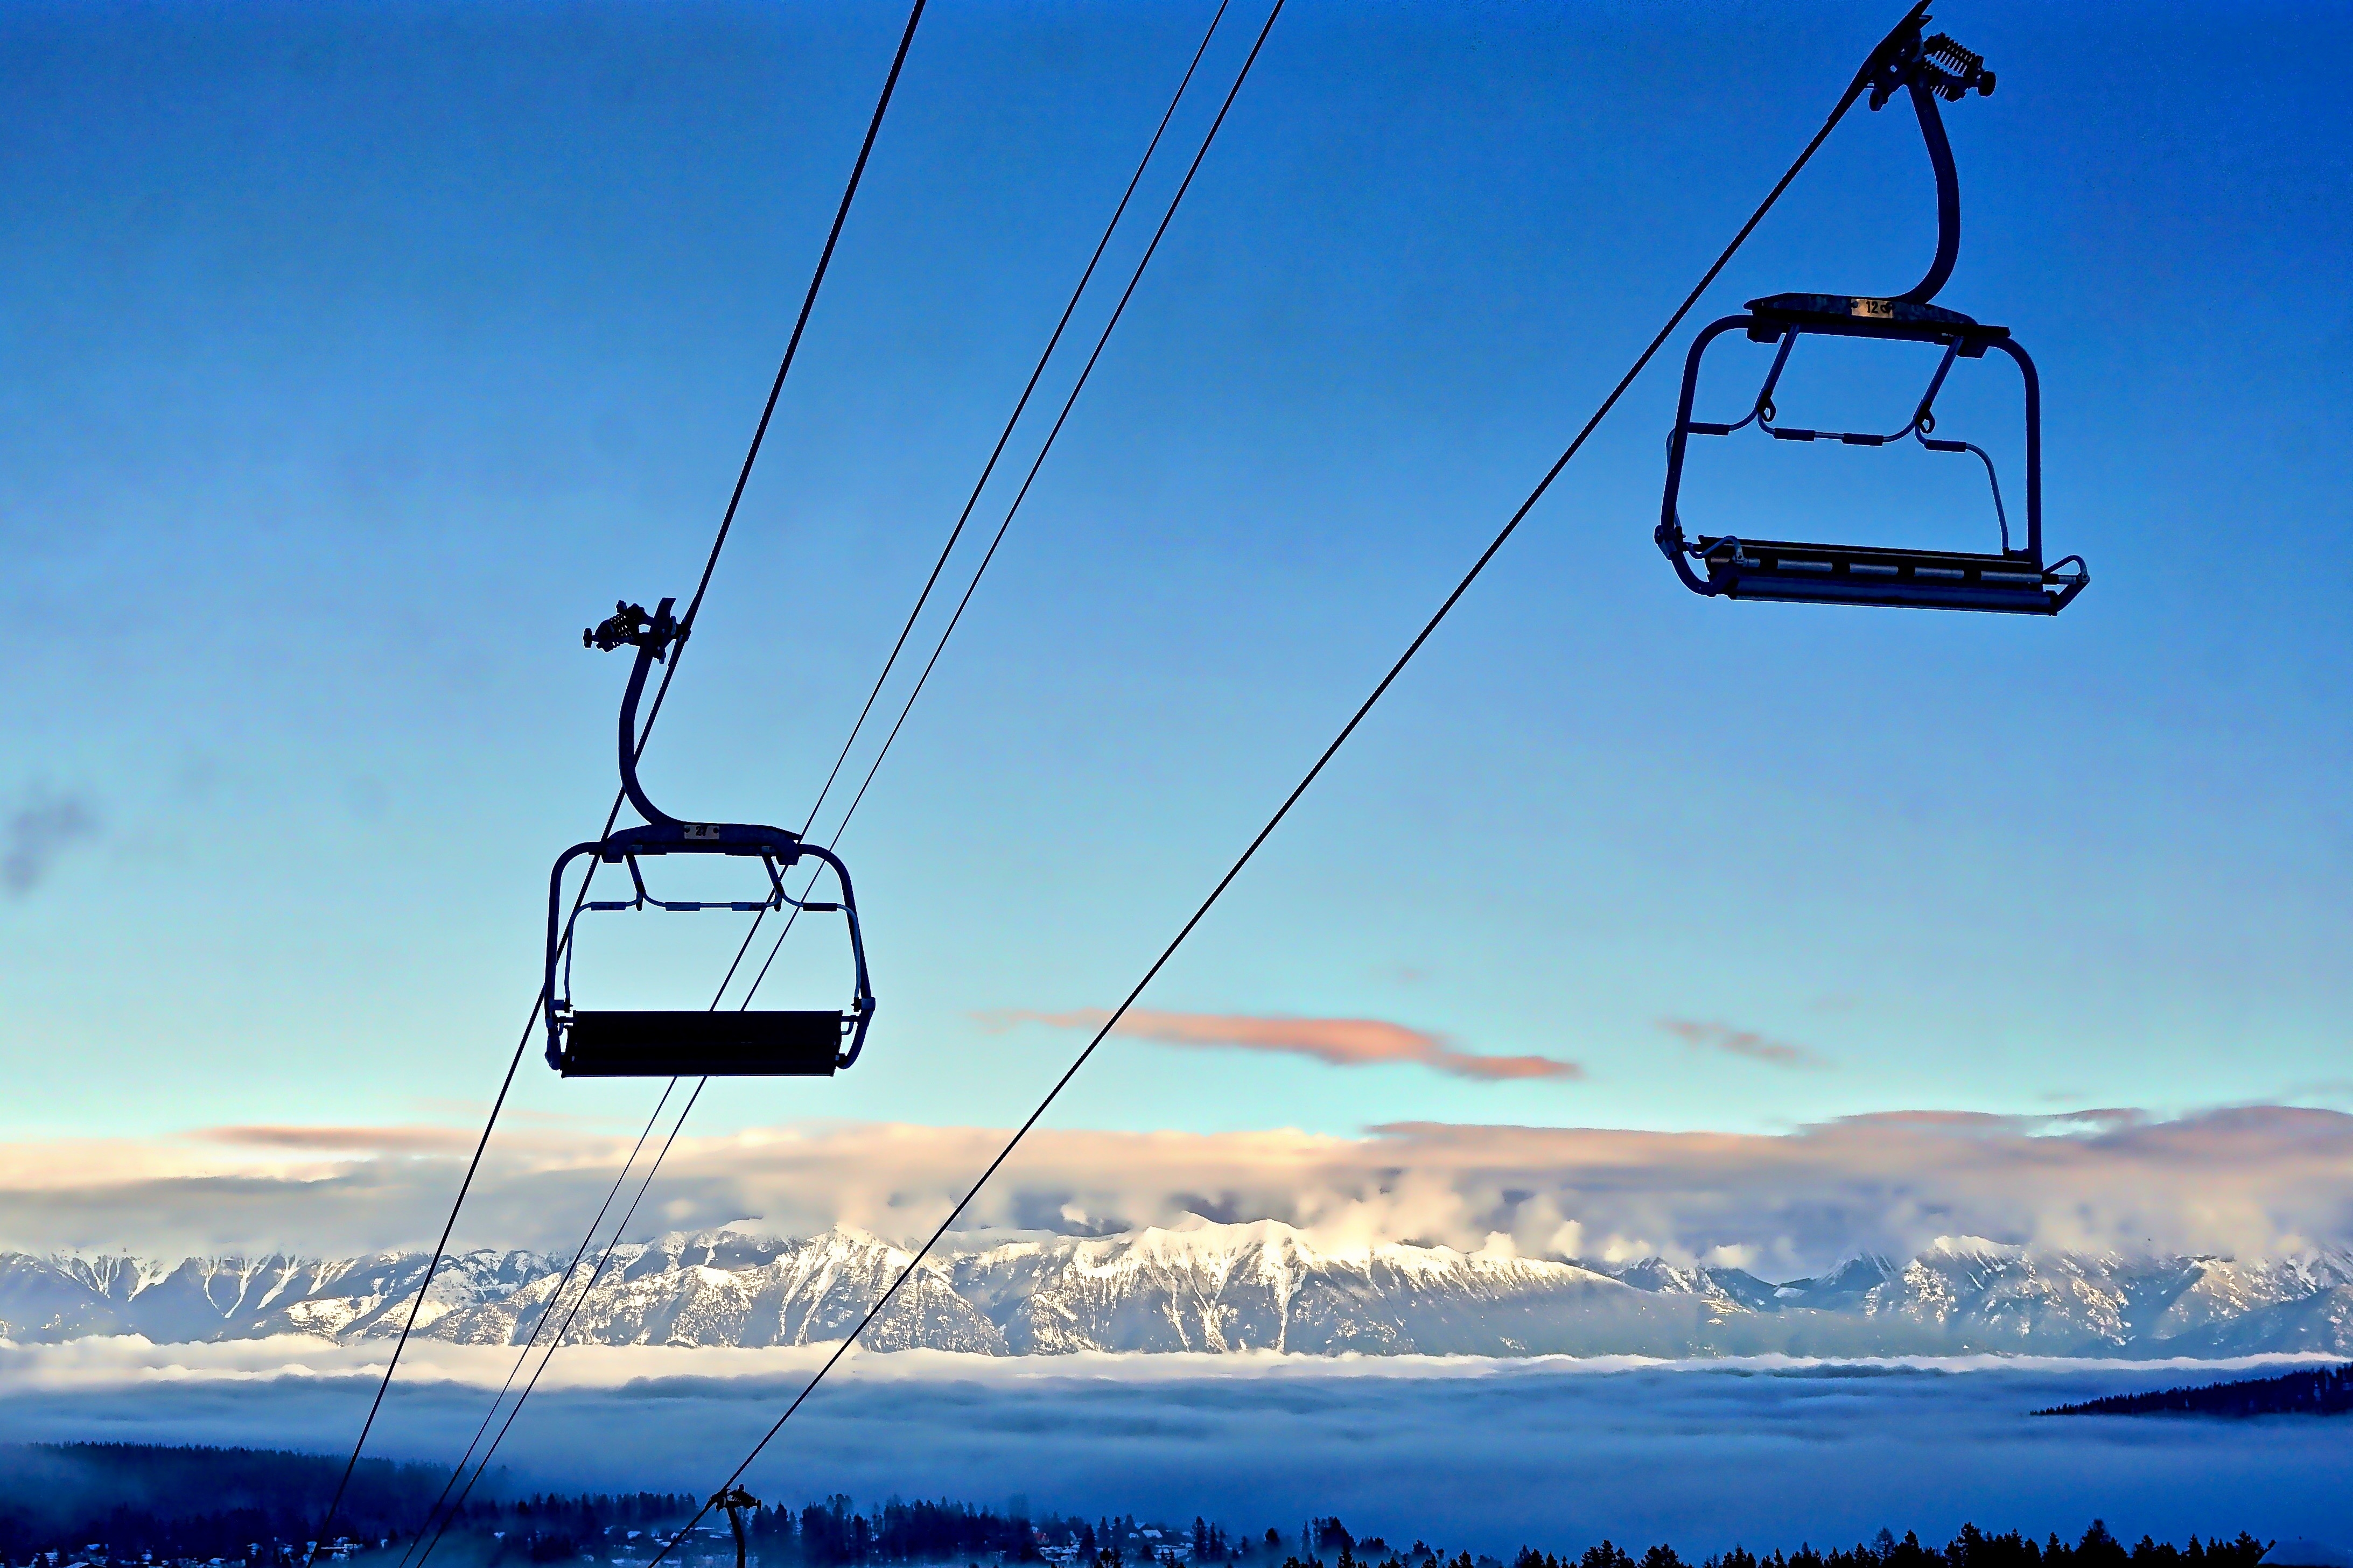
1490 1456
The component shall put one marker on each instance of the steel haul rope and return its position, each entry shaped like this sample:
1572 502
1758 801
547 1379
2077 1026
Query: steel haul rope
1004 438
727 520
1030 478
566 1328
1380 689
554 1300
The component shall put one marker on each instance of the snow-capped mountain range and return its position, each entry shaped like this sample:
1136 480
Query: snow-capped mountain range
1216 1289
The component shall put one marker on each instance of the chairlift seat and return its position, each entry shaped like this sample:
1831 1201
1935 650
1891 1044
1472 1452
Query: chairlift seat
603 1044
1866 574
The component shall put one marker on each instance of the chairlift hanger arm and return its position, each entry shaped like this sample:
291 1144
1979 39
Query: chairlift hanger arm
1928 67
653 635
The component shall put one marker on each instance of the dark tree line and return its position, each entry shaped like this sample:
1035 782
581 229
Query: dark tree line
126 1505
2326 1392
1972 1548
192 1502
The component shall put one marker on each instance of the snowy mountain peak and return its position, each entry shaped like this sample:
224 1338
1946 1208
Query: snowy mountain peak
1214 1288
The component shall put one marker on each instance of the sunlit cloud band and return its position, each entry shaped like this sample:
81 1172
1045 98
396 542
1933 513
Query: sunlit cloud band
2261 1180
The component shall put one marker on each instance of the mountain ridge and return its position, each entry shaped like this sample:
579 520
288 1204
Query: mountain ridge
1215 1288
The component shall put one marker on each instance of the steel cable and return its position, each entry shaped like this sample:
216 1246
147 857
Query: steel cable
1052 434
972 501
776 388
440 1247
1430 627
727 522
554 1300
1085 276
579 1301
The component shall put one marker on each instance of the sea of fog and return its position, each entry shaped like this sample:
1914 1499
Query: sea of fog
1489 1455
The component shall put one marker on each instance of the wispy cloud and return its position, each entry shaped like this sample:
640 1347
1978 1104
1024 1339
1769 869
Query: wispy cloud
1342 1042
2102 1117
1747 1043
36 831
344 1140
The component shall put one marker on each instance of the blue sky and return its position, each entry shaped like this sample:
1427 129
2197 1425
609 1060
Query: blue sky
358 356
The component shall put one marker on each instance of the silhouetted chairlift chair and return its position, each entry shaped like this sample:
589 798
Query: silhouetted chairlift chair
582 1043
2017 579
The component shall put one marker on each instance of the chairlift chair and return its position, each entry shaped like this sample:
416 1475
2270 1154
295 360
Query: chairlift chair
2015 580
582 1043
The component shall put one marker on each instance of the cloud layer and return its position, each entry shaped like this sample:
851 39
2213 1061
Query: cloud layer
2248 1182
1341 1042
1486 1457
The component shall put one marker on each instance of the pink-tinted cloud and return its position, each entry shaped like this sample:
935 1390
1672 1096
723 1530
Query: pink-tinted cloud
344 1140
1958 1121
1741 1042
1342 1042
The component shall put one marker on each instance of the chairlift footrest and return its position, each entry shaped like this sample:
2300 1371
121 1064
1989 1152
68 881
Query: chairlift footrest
1850 574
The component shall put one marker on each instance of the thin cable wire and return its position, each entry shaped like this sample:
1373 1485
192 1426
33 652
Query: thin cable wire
577 1303
595 1274
726 523
1020 405
1052 434
1004 436
1429 628
792 348
972 501
440 1247
989 468
554 1300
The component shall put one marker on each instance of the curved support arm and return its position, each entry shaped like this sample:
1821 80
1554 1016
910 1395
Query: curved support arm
2033 383
862 1005
1993 478
552 1004
1948 196
1929 69
1670 533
